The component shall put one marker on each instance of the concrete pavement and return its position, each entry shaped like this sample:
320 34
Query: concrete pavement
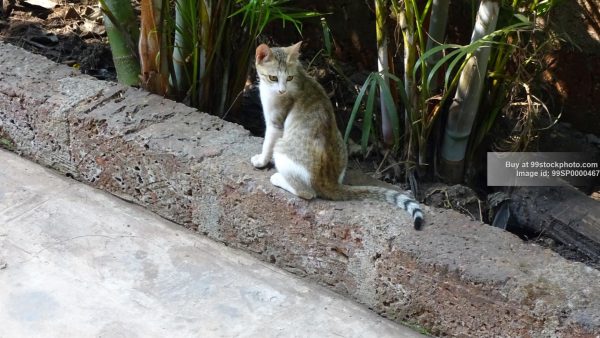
77 262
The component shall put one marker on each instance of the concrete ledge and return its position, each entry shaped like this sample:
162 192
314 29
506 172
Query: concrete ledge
457 277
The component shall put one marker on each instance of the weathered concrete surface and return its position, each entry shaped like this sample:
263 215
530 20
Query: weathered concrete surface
457 277
76 262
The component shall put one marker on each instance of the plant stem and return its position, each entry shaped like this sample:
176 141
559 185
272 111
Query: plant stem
437 31
464 109
383 67
123 35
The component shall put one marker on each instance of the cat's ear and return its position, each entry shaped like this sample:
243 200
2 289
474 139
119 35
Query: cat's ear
263 53
294 52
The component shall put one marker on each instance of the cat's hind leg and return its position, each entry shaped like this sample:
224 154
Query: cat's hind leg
293 185
292 176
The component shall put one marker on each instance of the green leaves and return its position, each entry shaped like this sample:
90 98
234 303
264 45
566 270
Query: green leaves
368 118
460 53
211 49
432 72
258 13
375 81
368 112
327 37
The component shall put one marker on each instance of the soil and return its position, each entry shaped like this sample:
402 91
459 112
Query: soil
72 34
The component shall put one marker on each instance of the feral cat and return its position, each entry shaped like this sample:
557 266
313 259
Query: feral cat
302 136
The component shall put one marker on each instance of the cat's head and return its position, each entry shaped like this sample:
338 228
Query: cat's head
277 68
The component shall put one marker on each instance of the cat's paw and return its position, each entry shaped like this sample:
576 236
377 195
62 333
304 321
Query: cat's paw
259 161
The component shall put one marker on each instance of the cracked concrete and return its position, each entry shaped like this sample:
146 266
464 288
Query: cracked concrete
457 277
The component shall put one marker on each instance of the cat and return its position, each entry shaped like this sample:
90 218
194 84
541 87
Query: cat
302 136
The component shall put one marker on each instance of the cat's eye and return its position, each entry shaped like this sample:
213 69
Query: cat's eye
290 78
273 78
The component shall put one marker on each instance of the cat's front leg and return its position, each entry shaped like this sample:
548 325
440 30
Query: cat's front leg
272 134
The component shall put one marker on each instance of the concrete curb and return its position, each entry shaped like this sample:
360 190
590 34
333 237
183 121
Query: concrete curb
457 277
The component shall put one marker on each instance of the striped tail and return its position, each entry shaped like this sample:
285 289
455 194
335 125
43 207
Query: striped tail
347 192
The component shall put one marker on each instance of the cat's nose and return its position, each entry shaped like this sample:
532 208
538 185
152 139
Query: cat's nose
281 91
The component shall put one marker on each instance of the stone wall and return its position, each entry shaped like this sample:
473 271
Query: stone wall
456 277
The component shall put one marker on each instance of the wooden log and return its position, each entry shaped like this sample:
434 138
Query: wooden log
562 213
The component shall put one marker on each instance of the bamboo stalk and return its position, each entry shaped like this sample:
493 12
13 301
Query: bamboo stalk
186 37
437 31
381 14
463 109
123 34
406 19
151 48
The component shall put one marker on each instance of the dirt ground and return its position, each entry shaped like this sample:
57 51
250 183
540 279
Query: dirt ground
71 33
